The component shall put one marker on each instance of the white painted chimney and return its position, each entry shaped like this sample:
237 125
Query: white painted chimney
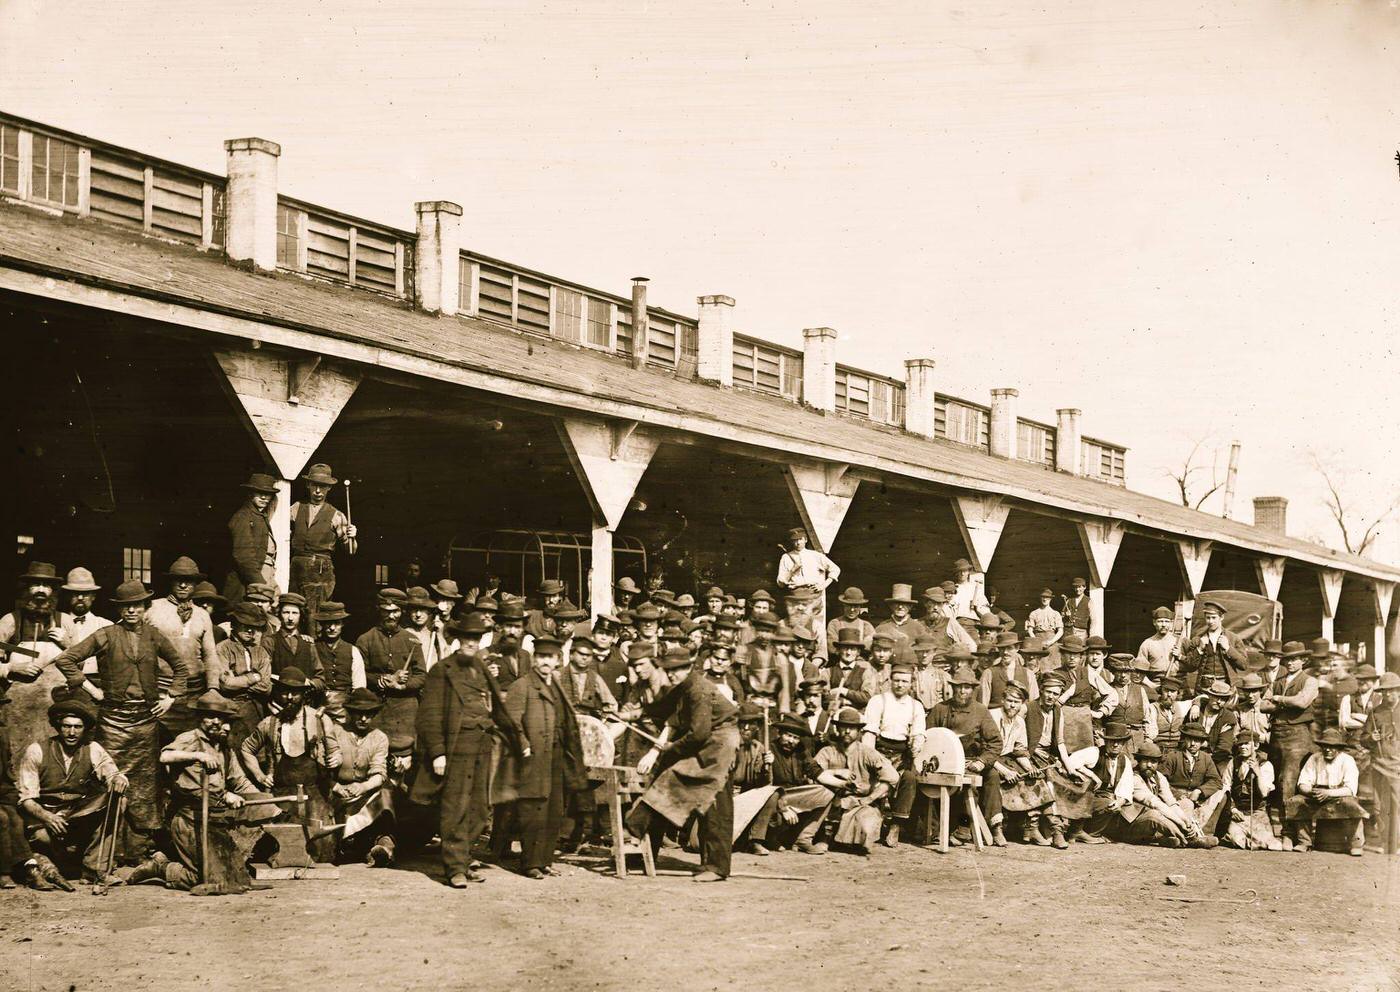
437 259
250 204
819 368
1067 441
715 339
919 396
1003 426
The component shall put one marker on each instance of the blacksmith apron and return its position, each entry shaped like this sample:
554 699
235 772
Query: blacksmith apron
290 771
130 734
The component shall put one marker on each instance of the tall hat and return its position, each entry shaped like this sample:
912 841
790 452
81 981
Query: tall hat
849 637
902 592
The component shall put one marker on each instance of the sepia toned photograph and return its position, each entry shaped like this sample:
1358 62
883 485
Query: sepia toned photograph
700 495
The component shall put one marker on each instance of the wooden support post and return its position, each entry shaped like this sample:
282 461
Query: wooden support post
609 459
823 493
1194 558
1270 572
1381 593
981 518
288 403
1330 580
1101 540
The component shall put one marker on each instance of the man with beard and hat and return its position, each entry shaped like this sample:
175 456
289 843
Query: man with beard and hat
1084 661
860 778
795 812
1156 816
1214 712
342 666
446 598
1023 785
64 784
693 766
508 658
1162 651
1169 714
285 644
1195 779
901 627
420 614
317 530
127 685
461 715
1327 790
191 631
202 754
1249 780
254 547
36 626
894 726
1215 655
981 741
853 604
243 673
551 593
78 620
804 574
360 795
295 746
545 765
394 669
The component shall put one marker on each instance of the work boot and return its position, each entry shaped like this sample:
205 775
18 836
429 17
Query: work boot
1205 843
758 849
34 878
891 835
1081 836
1033 834
998 837
707 876
48 871
152 868
379 857
6 882
963 835
1059 839
807 847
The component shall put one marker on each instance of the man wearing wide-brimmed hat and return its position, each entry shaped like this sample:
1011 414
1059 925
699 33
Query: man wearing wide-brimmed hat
1327 790
192 632
361 795
1006 667
128 685
860 778
35 625
1290 706
244 675
342 665
394 669
850 679
1045 622
253 545
1159 817
508 657
207 598
62 786
81 590
317 529
1214 711
1195 779
901 627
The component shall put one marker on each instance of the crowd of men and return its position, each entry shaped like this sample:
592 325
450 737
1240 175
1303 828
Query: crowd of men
753 721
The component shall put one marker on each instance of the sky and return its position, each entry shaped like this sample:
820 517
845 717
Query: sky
1182 219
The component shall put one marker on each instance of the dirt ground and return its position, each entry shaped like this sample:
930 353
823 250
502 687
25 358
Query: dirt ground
1020 918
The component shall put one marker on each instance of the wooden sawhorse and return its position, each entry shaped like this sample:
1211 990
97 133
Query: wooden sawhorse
620 783
942 784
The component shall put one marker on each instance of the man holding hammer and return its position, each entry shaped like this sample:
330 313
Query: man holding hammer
317 528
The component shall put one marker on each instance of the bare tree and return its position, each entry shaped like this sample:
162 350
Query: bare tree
1357 534
1190 477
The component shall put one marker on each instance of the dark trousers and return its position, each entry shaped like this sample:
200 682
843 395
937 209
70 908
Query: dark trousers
540 819
1292 742
902 804
314 578
464 804
717 833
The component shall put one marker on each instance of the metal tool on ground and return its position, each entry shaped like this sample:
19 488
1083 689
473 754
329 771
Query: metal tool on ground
674 873
203 824
292 859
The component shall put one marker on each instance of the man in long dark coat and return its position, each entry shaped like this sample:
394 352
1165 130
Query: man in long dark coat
538 776
254 547
461 707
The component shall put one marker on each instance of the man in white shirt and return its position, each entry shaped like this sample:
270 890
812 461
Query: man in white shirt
1163 649
894 726
805 575
968 599
1327 788
1045 624
82 592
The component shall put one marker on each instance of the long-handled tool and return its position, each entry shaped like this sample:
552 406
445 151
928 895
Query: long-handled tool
107 842
636 730
203 824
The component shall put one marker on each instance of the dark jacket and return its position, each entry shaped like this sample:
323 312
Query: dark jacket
1203 776
250 534
460 714
534 707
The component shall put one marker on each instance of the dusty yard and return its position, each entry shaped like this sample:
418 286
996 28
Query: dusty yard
1023 918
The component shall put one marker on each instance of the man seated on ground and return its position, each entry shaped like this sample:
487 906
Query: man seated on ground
794 813
981 741
860 777
1219 720
1071 791
206 745
1194 779
1156 816
1249 780
894 726
1327 788
63 791
1113 792
358 797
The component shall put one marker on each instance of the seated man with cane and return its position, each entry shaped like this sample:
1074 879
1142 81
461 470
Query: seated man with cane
65 784
209 773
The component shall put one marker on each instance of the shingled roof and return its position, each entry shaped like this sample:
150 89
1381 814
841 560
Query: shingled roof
111 267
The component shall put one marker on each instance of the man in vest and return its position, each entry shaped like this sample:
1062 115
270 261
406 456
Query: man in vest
1136 702
1006 667
1291 709
35 624
191 630
1078 612
317 528
61 787
342 666
286 645
1215 655
254 547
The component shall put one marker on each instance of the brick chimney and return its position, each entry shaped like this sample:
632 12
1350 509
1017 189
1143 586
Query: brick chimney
1271 513
819 368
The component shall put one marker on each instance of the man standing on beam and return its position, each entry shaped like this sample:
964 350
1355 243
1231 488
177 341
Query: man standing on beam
317 528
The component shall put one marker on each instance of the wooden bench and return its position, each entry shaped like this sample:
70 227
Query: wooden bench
619 783
941 785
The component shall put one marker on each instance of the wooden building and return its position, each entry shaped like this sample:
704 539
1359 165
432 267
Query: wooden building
171 330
